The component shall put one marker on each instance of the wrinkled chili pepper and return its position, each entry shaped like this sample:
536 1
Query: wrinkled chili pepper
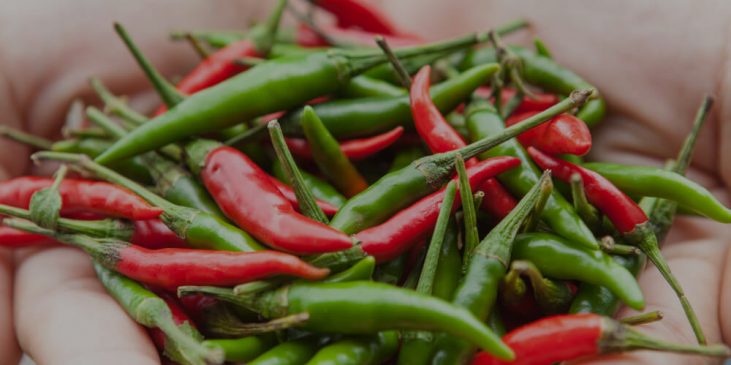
564 134
393 237
248 95
544 342
483 121
485 269
627 217
84 195
354 149
247 195
173 267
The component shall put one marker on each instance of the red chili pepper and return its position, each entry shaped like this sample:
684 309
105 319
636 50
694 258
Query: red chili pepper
15 238
441 137
621 210
154 234
394 236
289 194
173 267
354 149
541 102
246 194
356 14
564 134
179 317
306 37
80 195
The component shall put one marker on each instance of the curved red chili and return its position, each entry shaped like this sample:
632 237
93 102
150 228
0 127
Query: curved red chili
15 238
621 210
564 134
498 200
246 194
306 37
84 195
289 194
154 234
354 149
394 236
356 14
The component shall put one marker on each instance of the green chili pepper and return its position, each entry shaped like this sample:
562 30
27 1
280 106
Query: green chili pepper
392 271
362 270
547 74
243 349
151 311
288 353
361 117
598 299
552 296
449 270
485 270
365 87
269 87
649 181
561 259
332 307
329 157
358 350
134 168
400 188
483 121
320 188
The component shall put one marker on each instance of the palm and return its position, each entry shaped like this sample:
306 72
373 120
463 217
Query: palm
653 82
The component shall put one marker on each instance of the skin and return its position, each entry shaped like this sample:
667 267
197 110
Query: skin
652 73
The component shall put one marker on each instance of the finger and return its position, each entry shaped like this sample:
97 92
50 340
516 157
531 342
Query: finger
9 352
64 316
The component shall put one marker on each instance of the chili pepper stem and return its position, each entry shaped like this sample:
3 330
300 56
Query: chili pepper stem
401 72
644 237
196 44
469 215
586 211
643 318
25 138
619 337
103 228
686 152
116 105
45 204
251 329
535 217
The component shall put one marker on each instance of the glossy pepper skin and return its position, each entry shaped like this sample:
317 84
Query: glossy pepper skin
395 236
354 149
598 299
289 194
243 349
378 307
564 134
363 117
84 195
358 14
365 87
648 181
15 238
246 194
358 350
558 258
321 189
288 353
483 121
306 37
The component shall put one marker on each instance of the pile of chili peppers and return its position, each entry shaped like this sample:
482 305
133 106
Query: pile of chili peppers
342 192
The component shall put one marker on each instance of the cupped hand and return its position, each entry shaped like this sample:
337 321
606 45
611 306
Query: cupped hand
652 63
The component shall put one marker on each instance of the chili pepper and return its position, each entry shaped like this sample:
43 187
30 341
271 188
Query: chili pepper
358 350
248 95
365 87
357 14
628 218
183 323
400 188
288 194
393 237
405 156
173 267
198 228
134 168
483 121
498 200
320 188
296 352
485 269
551 296
544 341
515 296
151 311
448 272
547 74
649 181
362 270
243 349
215 39
329 157
224 323
45 204
564 260
79 194
469 216
598 299
564 134
359 117
246 194
378 307
354 149
323 35
15 238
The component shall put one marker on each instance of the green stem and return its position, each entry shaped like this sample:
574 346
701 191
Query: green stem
197 46
103 228
45 204
478 197
586 211
229 328
401 72
305 200
431 261
246 135
105 123
608 245
25 138
685 156
531 223
541 48
511 27
84 133
116 105
630 339
225 294
643 318
469 216
512 104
